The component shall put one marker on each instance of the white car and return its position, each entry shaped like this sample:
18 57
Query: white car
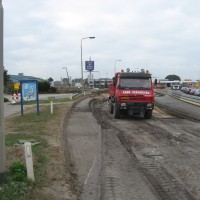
197 92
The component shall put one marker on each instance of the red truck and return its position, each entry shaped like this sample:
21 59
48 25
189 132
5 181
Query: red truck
132 93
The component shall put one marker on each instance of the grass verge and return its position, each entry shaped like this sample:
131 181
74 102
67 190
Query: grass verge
50 173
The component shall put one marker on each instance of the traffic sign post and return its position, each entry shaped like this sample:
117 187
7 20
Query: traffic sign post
89 65
16 86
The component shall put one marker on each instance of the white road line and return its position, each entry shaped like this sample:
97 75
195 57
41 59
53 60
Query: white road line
88 175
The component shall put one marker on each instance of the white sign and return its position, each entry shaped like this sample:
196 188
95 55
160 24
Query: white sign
136 92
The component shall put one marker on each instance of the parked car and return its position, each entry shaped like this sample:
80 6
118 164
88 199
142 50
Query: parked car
187 90
197 92
183 89
192 91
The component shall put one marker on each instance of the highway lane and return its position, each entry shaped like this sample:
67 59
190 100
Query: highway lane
177 105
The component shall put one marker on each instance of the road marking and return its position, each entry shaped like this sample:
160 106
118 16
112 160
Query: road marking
188 101
88 175
183 99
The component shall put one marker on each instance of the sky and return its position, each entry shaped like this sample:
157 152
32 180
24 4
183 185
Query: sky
42 38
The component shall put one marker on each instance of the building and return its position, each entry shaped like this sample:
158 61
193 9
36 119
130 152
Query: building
21 77
102 82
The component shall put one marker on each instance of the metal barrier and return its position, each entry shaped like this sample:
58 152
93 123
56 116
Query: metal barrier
15 97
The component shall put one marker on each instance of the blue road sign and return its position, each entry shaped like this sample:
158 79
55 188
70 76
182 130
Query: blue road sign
89 65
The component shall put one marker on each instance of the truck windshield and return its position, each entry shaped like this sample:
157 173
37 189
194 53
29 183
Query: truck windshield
136 83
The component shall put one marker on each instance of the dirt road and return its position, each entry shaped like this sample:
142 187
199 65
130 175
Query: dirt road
133 158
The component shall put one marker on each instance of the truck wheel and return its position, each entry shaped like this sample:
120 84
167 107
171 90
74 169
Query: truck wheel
148 114
111 107
116 112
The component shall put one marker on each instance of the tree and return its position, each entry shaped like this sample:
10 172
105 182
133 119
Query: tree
8 84
173 77
53 89
43 86
6 77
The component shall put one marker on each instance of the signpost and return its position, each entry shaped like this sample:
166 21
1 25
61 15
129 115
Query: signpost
89 66
29 91
16 86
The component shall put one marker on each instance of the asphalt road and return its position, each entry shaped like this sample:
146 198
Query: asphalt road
174 104
10 109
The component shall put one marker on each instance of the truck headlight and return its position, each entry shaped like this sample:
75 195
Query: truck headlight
149 105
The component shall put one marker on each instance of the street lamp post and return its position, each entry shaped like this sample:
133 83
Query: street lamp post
82 62
2 136
115 65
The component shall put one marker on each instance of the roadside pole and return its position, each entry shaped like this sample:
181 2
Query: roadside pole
2 137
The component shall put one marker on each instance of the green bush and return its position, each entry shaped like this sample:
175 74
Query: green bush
17 184
17 172
52 90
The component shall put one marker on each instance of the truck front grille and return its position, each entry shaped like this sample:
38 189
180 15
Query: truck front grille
133 98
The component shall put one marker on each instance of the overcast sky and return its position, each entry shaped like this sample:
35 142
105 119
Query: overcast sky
43 36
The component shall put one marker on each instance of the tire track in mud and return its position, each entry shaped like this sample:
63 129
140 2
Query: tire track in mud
120 178
165 185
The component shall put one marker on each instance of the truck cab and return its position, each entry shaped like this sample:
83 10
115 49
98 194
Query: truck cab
132 93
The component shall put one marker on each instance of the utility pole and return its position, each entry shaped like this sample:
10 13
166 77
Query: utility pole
115 65
2 137
82 81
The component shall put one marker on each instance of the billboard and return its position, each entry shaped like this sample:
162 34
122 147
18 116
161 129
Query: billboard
89 65
29 91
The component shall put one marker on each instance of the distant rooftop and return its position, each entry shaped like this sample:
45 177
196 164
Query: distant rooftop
21 76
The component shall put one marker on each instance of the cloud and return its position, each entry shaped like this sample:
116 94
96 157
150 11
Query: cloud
41 36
